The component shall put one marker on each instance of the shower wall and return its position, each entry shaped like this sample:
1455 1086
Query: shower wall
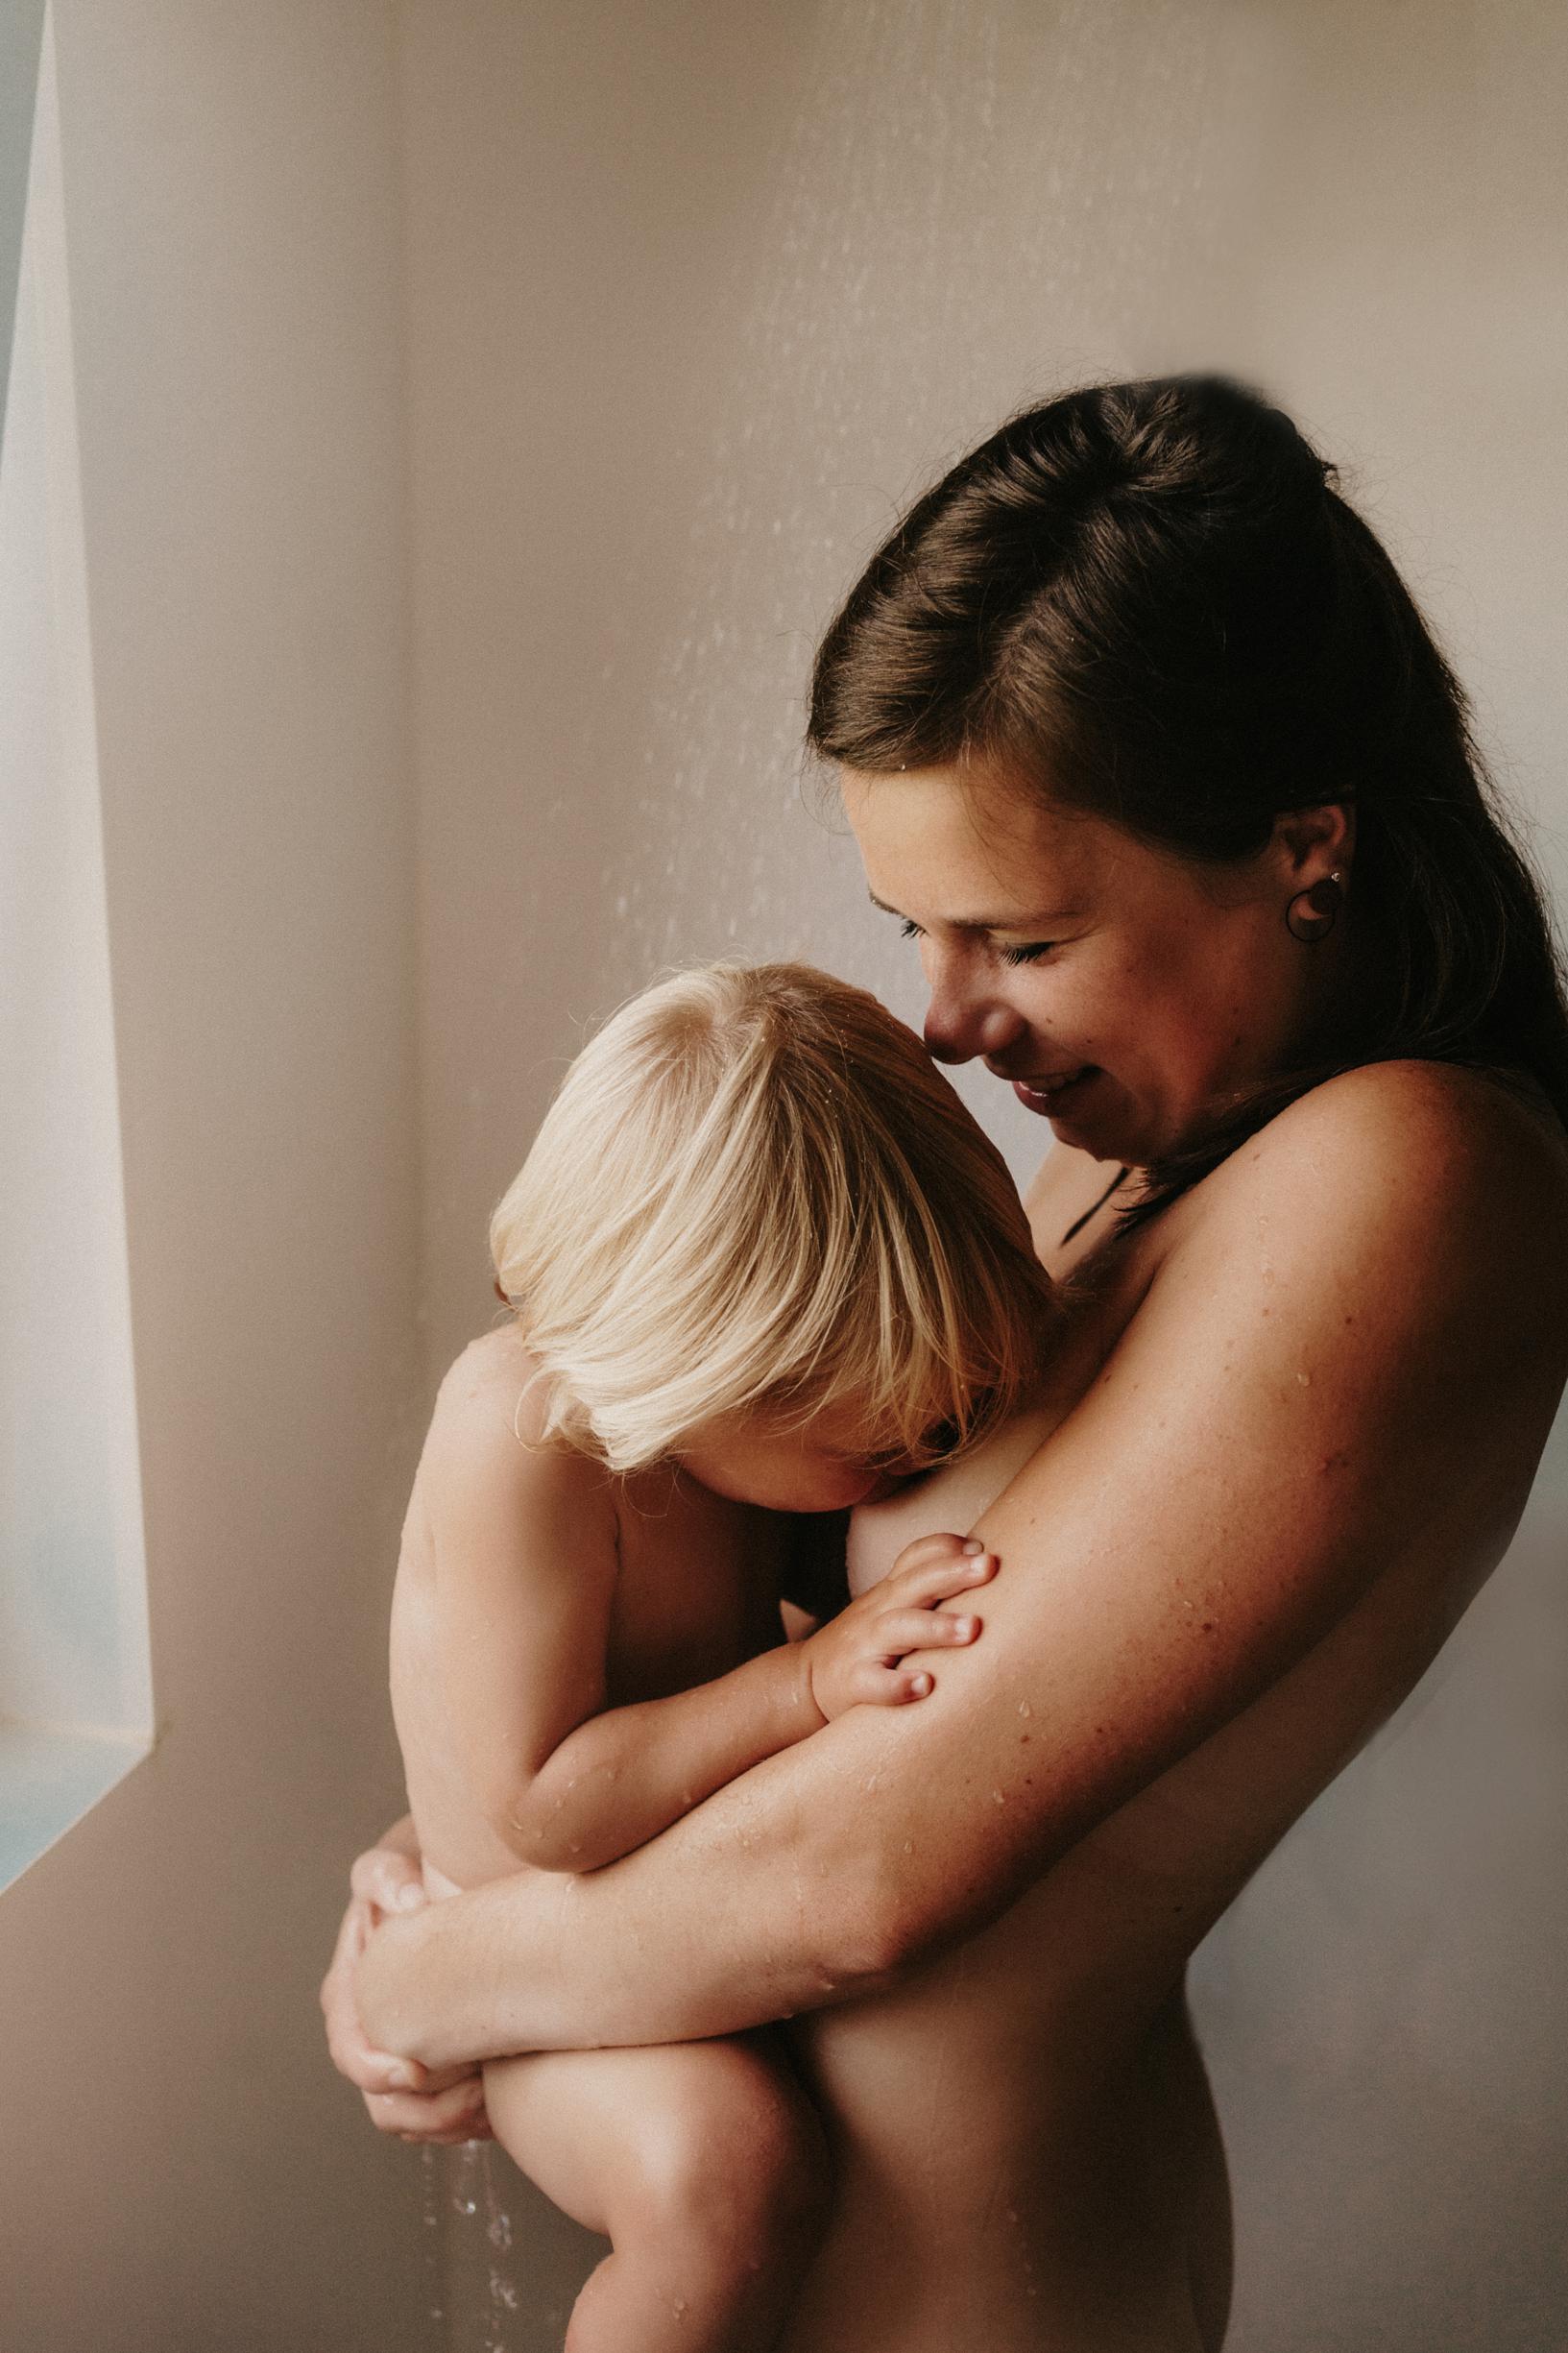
697 296
482 405
179 2168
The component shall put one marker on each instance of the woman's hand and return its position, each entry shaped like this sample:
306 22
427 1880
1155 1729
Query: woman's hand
438 2106
857 1656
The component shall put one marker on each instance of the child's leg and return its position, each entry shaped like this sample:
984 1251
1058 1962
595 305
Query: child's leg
705 2166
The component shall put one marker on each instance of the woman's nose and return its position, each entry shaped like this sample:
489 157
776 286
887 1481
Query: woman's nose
960 1026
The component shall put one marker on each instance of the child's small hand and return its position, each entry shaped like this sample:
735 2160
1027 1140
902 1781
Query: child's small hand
856 1656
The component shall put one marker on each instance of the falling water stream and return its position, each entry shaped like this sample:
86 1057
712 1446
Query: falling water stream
475 2285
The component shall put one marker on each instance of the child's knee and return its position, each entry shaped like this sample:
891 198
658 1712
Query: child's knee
745 2164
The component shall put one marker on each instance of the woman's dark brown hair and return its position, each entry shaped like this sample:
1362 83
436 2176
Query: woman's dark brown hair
1149 600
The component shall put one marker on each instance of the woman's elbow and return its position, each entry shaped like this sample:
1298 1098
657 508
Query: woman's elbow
904 1920
873 1939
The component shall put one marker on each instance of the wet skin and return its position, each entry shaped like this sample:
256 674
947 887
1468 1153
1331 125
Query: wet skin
1291 1428
1090 2208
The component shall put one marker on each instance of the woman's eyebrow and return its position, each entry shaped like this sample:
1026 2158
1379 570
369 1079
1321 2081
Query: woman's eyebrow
985 923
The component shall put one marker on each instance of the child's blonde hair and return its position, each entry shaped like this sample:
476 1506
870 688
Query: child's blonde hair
754 1192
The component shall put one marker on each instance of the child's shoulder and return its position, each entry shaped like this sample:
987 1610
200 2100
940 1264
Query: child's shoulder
492 1403
496 1359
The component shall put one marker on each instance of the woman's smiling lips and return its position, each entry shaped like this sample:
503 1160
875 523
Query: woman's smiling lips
1053 1090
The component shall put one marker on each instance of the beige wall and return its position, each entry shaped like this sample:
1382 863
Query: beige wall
416 752
698 296
178 2169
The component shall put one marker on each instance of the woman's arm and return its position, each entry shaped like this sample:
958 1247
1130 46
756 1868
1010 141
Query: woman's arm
1351 1348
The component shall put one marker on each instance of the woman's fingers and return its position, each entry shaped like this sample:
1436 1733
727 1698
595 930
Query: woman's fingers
387 1878
436 2106
455 2115
441 2078
368 2069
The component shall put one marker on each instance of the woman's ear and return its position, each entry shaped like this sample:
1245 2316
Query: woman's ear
1308 844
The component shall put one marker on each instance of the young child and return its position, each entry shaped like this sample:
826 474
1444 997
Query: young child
761 1262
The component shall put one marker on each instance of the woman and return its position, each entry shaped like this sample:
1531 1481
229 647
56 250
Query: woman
1142 736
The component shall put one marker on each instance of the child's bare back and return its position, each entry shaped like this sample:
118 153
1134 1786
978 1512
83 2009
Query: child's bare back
691 1585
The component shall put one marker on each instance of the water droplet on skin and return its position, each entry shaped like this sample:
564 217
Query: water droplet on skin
1024 1708
678 2308
1305 1378
997 1798
871 1783
908 1846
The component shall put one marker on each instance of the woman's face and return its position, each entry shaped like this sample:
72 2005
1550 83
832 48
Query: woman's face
1121 988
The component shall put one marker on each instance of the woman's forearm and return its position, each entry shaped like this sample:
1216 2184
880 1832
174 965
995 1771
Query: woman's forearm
772 1898
1277 1430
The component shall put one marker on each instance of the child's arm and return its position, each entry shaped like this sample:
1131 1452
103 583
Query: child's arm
523 1541
522 1538
621 1777
524 1547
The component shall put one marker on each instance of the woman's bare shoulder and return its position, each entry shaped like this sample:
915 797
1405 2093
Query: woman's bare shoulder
1403 1107
1425 1172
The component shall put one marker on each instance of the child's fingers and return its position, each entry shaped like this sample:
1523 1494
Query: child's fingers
891 1687
903 1631
939 1580
941 1546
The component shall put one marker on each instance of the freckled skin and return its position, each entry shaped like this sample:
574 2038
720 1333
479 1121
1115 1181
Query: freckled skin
1065 2021
1146 953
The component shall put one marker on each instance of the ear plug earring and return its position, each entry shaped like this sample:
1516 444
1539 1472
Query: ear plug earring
1313 915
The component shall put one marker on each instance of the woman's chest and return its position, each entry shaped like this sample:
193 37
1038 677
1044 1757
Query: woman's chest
697 1588
1094 1312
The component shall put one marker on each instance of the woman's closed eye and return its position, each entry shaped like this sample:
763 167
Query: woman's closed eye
1028 952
